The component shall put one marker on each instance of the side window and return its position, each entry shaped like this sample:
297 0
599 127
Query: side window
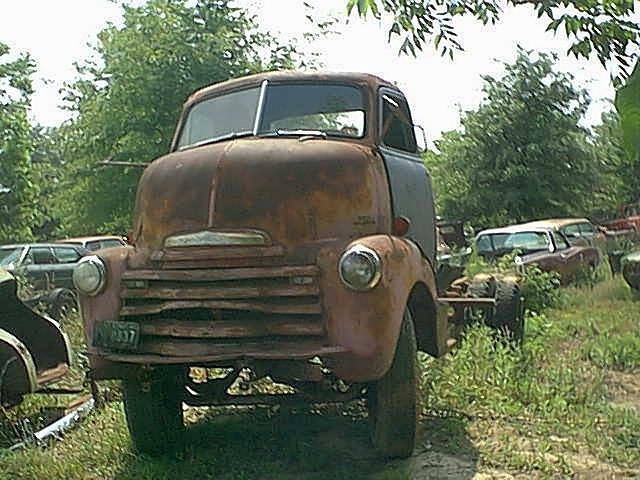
397 127
110 243
587 229
42 256
560 241
571 230
484 244
66 255
93 246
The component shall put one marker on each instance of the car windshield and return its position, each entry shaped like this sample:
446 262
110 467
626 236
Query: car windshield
9 255
284 109
525 242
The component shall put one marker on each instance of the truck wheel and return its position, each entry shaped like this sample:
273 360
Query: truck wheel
508 314
480 286
392 400
154 411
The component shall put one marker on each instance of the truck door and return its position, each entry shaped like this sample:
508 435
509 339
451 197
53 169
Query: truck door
409 181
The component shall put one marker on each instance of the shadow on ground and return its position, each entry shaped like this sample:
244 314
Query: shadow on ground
312 445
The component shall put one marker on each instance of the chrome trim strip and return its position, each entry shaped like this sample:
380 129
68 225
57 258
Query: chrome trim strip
208 238
261 99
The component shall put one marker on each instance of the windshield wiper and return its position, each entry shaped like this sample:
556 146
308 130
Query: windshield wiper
303 133
226 136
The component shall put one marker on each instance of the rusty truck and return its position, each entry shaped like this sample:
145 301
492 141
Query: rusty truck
289 233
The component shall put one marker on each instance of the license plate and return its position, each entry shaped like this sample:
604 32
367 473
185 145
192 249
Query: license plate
117 335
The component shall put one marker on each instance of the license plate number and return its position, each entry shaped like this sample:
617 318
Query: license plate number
117 335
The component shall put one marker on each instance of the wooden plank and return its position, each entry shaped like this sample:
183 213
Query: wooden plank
264 349
267 352
52 374
257 306
220 274
468 301
231 328
222 293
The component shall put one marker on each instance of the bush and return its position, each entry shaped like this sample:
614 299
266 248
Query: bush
540 289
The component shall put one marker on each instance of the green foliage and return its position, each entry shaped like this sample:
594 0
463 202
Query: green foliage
126 102
602 27
621 170
557 384
628 105
522 154
539 288
18 188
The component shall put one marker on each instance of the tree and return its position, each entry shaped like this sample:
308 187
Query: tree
126 103
522 154
628 105
616 165
18 191
604 27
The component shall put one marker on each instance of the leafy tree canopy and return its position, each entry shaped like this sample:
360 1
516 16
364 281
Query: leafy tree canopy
523 154
628 105
127 101
601 27
18 191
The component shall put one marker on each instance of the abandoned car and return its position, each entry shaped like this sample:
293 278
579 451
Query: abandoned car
629 220
579 232
96 242
44 265
34 352
289 233
540 243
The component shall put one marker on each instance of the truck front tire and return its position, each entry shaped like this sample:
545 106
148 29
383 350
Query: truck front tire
154 411
393 400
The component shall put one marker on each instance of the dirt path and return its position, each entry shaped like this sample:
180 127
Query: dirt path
625 389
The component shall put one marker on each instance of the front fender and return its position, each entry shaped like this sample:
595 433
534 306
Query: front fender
106 305
368 323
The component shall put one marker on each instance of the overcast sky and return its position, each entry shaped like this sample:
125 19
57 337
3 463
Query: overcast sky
56 33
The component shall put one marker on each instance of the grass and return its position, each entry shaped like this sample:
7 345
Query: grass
565 404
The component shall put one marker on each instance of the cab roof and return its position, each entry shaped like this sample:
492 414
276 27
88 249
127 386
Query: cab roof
364 79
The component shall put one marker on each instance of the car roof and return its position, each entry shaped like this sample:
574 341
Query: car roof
22 245
546 225
289 76
556 223
520 228
95 238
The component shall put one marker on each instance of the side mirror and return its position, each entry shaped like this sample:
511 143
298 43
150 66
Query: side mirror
421 138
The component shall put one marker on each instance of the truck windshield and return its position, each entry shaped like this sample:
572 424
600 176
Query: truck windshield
287 109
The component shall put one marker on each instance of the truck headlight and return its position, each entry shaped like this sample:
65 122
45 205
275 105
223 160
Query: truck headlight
360 268
90 275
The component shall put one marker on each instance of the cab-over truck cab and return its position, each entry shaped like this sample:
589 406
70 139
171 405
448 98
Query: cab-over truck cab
290 232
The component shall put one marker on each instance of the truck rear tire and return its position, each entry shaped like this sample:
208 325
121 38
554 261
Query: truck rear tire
508 314
393 400
154 411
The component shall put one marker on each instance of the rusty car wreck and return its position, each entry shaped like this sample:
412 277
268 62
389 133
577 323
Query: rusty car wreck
34 352
289 233
542 243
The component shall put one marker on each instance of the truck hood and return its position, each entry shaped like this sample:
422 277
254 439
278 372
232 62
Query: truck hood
295 190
